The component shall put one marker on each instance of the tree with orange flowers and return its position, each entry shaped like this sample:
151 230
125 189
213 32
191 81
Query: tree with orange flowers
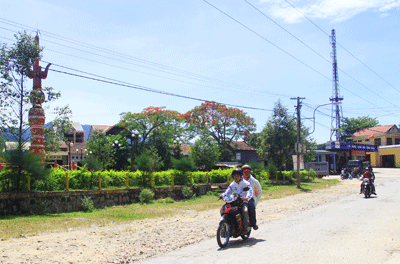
222 123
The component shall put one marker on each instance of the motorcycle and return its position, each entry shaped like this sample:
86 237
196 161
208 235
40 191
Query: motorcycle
233 222
345 174
366 188
355 173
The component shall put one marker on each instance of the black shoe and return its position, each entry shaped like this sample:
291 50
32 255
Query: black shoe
374 193
255 227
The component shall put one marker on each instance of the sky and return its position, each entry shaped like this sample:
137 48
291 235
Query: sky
248 54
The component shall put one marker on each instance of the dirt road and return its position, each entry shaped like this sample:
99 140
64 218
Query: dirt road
145 240
349 229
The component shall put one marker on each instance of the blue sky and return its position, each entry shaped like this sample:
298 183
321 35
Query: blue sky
244 53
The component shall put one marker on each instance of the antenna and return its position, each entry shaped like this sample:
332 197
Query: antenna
337 113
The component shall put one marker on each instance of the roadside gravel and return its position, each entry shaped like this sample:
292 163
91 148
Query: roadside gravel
143 239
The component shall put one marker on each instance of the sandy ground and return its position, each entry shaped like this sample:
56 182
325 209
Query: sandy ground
143 239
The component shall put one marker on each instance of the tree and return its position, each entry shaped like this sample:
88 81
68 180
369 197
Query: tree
278 137
351 125
148 162
92 164
100 147
15 69
222 123
157 126
205 152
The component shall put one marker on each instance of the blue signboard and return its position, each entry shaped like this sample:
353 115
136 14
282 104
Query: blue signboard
351 146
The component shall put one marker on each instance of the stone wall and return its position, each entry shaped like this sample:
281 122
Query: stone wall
71 201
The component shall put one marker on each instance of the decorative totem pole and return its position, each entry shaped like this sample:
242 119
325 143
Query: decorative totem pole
36 113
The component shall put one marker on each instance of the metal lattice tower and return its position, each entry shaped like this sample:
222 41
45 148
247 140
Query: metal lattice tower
335 99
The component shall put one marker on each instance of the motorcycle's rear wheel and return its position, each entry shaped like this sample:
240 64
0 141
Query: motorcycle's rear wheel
367 193
223 233
246 236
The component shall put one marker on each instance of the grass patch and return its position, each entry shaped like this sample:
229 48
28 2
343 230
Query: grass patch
31 225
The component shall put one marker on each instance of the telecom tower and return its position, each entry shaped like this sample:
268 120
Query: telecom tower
336 99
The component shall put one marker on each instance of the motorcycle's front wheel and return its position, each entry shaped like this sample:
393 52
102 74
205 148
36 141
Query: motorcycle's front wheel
223 233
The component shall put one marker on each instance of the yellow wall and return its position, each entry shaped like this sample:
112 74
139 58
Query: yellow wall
376 157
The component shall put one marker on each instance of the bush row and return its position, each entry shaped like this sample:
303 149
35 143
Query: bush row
85 180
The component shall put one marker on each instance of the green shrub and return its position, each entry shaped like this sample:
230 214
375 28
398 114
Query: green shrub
146 196
187 192
87 204
272 170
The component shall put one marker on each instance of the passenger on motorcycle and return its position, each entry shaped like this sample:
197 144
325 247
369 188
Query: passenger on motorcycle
369 175
257 192
237 187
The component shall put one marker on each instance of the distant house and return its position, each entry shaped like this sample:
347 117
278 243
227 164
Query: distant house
388 140
244 153
378 136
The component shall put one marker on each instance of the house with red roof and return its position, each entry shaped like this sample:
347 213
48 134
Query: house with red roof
387 138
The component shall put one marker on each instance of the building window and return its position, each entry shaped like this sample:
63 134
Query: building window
397 141
389 141
377 142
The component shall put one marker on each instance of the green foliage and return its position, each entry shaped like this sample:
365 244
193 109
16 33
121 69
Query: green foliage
157 127
184 164
87 204
312 173
146 196
205 152
147 163
187 192
112 151
166 200
220 175
272 170
21 164
351 125
278 137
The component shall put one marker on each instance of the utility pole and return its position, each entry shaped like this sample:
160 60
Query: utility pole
298 107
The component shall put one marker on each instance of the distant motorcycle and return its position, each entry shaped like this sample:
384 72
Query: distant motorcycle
345 174
233 221
355 173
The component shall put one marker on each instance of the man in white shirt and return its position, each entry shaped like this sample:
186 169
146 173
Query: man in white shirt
256 195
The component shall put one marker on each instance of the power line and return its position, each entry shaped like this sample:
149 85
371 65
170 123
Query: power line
276 46
159 67
380 77
143 88
372 91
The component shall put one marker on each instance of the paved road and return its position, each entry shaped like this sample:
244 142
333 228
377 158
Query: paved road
350 230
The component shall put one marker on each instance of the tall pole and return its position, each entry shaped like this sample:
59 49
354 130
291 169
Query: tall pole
298 107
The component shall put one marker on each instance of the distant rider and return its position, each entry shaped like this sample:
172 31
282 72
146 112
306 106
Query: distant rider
257 192
369 175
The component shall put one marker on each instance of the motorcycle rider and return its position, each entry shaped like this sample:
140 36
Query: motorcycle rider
237 187
257 192
370 175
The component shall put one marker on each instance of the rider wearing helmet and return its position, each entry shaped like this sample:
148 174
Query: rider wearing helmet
371 176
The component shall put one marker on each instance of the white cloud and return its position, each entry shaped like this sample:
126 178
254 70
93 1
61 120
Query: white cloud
334 10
